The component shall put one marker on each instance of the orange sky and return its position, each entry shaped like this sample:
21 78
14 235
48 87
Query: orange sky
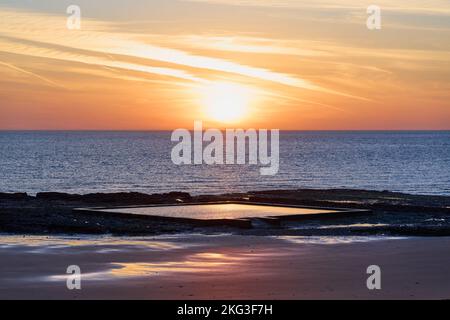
288 64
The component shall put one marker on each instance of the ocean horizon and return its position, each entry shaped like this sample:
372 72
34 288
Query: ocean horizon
123 161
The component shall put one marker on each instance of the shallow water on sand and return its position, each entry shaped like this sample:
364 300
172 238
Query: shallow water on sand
195 266
123 257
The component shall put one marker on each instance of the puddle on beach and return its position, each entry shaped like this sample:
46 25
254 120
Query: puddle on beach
106 244
355 225
219 211
207 263
334 239
101 244
315 226
230 259
199 262
127 257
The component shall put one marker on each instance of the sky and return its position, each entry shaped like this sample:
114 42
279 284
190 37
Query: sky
275 64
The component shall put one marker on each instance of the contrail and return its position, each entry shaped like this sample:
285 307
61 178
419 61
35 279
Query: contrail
309 101
32 74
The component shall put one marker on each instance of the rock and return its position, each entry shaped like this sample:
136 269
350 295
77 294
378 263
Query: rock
14 196
111 198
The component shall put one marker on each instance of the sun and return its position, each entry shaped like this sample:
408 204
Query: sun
226 102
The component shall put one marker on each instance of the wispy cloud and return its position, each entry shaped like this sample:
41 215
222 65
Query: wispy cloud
32 74
236 43
412 6
43 31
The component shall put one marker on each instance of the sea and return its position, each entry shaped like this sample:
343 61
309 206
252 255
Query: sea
82 162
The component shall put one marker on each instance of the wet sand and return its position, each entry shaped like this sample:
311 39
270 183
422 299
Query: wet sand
224 267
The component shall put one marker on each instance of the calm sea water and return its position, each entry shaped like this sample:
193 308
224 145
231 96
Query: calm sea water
84 162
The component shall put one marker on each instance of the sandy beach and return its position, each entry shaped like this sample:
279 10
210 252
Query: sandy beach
195 266
139 257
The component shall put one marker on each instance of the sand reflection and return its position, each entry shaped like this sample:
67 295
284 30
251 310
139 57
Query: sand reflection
334 239
200 262
204 262
102 244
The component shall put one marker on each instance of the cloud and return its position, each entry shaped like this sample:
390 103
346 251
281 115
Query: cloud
42 35
235 43
439 7
46 80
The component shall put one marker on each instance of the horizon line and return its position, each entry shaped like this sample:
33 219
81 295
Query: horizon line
169 130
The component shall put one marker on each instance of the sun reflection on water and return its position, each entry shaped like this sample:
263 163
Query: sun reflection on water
200 262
